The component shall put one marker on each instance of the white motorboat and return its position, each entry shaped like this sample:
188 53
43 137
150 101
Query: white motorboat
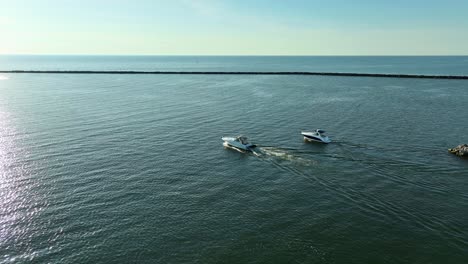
316 136
239 142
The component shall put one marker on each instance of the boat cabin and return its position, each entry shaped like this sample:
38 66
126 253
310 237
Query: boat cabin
242 139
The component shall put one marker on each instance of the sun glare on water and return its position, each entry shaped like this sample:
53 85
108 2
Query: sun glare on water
19 205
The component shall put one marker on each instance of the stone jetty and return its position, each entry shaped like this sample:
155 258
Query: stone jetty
349 74
460 150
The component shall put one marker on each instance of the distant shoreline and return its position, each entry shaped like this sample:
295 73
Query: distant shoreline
348 74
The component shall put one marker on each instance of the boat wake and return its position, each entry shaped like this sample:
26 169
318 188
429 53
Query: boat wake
283 155
368 201
276 155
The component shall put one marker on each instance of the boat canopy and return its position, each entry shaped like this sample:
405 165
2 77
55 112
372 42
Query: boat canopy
320 131
242 139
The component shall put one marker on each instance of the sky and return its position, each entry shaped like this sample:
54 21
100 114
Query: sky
234 27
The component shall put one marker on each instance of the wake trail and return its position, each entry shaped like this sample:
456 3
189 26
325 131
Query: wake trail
294 163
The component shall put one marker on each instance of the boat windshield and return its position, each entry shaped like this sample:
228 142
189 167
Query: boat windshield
242 140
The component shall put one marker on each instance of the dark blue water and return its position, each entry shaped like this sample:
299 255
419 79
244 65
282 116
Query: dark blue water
124 168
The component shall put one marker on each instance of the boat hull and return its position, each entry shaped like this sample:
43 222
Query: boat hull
231 142
315 138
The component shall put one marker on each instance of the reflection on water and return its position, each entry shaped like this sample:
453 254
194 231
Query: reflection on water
19 203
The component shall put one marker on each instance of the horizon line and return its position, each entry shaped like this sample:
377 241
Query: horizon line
345 74
228 55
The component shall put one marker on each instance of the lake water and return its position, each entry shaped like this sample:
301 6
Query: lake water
437 65
130 168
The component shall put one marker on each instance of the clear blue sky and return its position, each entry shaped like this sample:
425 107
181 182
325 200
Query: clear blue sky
234 27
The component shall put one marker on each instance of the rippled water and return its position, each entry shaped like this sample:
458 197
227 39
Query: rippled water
122 168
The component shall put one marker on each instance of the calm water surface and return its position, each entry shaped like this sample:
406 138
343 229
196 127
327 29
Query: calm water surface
122 168
437 65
